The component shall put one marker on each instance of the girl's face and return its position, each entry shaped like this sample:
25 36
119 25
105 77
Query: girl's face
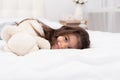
66 41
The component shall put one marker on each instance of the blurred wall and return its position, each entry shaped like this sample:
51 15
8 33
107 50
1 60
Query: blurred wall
56 9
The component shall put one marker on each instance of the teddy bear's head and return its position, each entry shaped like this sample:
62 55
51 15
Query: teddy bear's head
25 37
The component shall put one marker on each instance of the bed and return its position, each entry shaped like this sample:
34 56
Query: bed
100 62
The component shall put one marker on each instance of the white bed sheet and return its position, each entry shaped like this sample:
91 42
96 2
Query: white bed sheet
100 62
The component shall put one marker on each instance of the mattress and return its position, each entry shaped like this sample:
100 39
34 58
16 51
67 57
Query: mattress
99 62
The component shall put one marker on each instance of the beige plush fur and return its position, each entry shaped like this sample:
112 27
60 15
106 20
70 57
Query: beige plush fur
25 37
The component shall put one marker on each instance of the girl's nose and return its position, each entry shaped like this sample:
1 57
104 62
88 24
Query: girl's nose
62 43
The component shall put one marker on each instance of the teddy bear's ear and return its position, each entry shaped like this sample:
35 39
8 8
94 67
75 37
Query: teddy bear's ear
8 31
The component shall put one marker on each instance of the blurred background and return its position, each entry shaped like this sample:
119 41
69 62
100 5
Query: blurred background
102 15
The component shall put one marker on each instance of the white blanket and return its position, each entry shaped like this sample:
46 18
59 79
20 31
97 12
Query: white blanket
100 62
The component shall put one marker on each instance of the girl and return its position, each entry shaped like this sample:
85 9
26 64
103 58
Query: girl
67 37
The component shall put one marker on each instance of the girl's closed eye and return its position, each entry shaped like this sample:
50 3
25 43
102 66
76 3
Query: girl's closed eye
69 47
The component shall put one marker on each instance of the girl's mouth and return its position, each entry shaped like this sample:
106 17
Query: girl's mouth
55 46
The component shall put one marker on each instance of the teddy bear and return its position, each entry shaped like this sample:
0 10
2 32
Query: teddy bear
25 37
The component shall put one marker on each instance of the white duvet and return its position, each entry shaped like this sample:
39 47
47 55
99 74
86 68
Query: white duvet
100 62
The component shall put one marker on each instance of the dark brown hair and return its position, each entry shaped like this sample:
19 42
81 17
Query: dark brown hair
52 34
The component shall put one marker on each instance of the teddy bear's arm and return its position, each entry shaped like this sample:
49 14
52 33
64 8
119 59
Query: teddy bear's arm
43 43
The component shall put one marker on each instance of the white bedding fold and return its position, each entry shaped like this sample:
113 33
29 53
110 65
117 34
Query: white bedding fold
89 64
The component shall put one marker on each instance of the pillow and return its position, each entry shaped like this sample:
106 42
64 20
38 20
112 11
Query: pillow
101 39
